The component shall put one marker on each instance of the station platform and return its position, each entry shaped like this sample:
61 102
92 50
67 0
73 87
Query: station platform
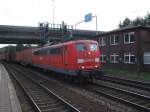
8 99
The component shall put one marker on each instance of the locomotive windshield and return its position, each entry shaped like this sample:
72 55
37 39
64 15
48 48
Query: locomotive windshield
85 47
93 47
81 47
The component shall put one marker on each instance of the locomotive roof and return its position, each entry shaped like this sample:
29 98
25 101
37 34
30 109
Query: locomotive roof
65 43
71 42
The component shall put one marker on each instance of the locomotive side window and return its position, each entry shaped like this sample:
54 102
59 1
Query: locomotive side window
36 52
56 51
81 47
93 47
43 52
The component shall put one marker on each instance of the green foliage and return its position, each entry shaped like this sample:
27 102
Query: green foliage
147 19
143 21
126 22
138 21
133 75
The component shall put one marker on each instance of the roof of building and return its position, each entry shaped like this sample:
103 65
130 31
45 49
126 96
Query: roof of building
124 28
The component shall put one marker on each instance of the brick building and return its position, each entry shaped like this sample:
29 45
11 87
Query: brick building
126 48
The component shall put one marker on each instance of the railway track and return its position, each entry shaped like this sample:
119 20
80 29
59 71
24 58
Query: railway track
43 100
132 83
82 104
132 99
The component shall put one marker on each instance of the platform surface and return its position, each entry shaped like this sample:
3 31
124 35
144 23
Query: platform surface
8 99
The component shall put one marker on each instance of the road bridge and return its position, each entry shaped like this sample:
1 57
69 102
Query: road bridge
31 35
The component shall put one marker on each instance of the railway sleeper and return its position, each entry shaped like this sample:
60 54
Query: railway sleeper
134 100
44 103
55 109
147 105
43 98
51 105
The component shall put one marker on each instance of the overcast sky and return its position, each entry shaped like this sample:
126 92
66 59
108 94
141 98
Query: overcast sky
109 12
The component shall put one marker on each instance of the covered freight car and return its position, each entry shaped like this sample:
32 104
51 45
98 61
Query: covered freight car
8 53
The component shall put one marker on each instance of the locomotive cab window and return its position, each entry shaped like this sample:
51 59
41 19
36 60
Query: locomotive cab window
81 47
93 47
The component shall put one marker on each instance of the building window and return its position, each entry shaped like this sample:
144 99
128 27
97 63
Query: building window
103 58
102 41
129 38
146 58
114 40
114 58
129 58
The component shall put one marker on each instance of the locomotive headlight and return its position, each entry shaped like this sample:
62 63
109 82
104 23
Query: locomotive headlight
96 59
96 66
89 53
82 67
80 60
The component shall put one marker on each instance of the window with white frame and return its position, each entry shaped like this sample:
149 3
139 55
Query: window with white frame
146 58
114 40
129 58
129 38
103 58
102 41
114 58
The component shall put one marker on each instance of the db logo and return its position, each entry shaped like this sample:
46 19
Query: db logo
41 58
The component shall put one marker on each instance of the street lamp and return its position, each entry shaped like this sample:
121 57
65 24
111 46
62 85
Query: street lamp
53 10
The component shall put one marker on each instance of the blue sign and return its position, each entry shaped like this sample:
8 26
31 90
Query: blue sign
88 17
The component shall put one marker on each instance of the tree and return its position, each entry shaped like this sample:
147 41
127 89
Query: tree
138 21
147 19
144 21
126 22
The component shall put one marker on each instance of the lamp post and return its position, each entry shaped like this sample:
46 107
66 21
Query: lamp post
53 10
96 24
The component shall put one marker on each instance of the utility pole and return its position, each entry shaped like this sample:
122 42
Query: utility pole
96 23
53 10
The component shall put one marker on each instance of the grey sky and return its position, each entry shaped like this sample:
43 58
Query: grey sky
109 12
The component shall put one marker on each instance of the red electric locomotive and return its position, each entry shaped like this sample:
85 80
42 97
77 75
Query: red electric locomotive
79 58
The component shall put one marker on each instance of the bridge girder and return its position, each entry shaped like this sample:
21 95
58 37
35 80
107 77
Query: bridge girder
31 35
